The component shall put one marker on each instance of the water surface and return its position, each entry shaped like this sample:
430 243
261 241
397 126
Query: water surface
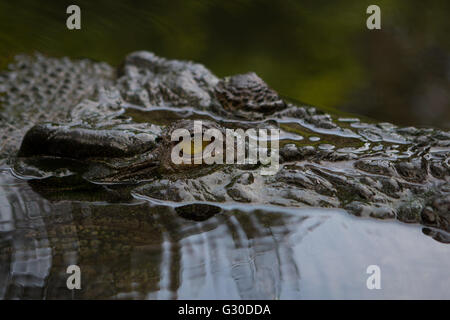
141 250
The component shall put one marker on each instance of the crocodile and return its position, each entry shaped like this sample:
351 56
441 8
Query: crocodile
78 124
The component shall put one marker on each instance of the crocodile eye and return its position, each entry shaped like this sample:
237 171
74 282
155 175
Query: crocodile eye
190 148
195 151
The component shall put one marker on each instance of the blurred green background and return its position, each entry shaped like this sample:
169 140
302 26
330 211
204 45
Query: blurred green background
319 52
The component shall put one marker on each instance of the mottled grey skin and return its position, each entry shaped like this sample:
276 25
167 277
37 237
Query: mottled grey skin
377 170
148 80
246 95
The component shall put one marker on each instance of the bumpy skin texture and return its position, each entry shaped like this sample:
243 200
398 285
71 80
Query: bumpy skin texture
148 80
40 89
377 170
247 92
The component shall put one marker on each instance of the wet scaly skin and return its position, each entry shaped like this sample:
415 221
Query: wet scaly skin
377 170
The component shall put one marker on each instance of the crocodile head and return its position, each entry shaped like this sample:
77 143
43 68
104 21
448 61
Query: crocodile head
369 169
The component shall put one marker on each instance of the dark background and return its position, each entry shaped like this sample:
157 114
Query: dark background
319 52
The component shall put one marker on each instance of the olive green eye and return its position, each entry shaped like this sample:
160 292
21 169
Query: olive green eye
190 148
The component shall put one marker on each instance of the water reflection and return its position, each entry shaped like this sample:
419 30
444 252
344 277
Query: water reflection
136 249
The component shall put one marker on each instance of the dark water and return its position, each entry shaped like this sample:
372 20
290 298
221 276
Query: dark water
319 52
139 249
